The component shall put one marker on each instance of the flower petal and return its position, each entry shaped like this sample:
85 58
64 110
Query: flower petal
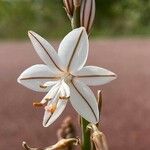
84 101
50 83
53 93
73 49
66 89
92 75
49 118
60 103
35 76
45 51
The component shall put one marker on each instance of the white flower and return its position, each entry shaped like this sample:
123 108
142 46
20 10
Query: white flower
64 76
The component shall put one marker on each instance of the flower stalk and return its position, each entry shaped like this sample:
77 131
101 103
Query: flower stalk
75 22
86 143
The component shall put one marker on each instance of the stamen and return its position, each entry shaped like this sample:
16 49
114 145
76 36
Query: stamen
48 98
64 97
43 86
37 104
51 108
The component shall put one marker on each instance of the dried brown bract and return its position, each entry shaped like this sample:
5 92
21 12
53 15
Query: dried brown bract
60 145
98 138
67 129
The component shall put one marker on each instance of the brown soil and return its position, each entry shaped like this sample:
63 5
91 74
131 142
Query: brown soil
126 106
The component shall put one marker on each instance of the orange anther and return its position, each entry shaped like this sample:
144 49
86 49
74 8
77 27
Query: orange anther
37 104
64 97
48 98
42 86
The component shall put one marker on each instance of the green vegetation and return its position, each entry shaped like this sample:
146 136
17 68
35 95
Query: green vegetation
123 17
47 17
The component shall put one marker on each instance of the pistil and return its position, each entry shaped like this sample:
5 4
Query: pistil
51 108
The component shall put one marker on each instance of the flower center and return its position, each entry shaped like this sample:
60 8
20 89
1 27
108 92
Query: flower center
67 77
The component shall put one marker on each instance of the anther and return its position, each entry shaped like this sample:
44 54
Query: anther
43 86
64 97
37 104
48 98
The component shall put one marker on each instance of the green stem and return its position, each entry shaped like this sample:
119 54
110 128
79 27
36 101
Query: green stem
86 143
76 18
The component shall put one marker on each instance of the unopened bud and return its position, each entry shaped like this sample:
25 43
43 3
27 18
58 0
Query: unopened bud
98 138
77 3
87 14
69 7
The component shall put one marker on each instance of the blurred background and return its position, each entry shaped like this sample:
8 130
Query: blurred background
113 18
120 42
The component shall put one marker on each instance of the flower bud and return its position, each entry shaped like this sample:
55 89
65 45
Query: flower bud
77 3
87 14
69 7
98 138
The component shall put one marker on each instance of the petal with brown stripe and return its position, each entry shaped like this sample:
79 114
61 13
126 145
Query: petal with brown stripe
55 106
73 49
35 76
49 118
93 75
52 93
84 101
46 52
